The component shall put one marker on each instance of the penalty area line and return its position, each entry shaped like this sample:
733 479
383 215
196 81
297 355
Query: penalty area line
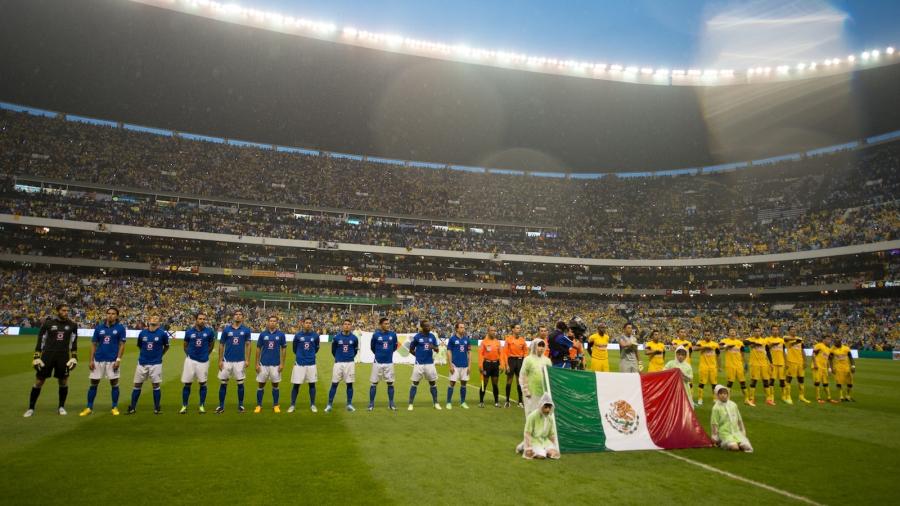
736 477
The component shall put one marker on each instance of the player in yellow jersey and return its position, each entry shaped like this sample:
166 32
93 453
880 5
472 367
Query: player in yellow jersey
760 366
842 364
597 344
709 363
821 352
796 364
777 354
734 362
655 349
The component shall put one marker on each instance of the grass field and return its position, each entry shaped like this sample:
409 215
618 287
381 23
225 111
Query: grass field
831 454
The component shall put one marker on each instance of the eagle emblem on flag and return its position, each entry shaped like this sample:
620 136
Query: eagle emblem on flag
622 417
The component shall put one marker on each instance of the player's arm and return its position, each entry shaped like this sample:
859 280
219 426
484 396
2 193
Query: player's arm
222 350
334 347
830 362
852 362
258 352
247 351
121 352
372 344
481 358
504 357
184 344
355 345
450 357
283 353
212 343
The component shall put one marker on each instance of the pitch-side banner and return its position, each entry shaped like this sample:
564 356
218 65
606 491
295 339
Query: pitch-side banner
623 411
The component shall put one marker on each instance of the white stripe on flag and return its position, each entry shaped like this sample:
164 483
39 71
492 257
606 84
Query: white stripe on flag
621 403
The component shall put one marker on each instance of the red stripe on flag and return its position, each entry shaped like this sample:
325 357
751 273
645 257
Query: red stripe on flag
670 416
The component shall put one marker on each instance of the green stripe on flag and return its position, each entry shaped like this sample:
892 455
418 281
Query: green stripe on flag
578 424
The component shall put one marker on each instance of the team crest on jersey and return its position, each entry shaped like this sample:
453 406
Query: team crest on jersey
622 417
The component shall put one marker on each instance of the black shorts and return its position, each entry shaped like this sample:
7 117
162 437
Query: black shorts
54 365
491 369
515 365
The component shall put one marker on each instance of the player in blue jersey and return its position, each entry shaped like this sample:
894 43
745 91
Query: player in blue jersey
271 346
107 347
458 349
306 345
199 341
422 346
384 344
234 354
344 347
153 343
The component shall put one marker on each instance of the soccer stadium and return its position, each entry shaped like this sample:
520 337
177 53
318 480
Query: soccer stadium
557 279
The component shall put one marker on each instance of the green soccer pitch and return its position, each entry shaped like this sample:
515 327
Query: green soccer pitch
826 454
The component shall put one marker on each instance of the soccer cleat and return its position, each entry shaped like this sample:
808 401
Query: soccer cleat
29 413
291 408
392 407
328 408
520 405
219 410
202 410
699 403
804 399
130 411
313 408
464 405
770 402
480 404
86 412
350 408
851 399
750 402
506 404
449 406
257 410
276 409
789 402
370 408
409 408
183 410
834 401
496 404
114 411
241 409
157 411
437 406
62 411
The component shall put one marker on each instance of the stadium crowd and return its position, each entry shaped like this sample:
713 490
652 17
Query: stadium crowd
817 202
24 301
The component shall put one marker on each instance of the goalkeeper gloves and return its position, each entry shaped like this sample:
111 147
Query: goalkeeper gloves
71 363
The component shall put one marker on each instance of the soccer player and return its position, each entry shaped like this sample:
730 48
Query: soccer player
796 363
683 339
153 343
597 346
490 360
760 366
199 341
54 354
655 350
734 363
821 352
234 354
305 345
107 347
843 366
458 349
384 343
726 424
516 350
628 350
709 363
271 346
422 346
344 347
777 352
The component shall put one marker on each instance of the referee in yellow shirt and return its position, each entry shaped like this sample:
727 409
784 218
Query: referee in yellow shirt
598 343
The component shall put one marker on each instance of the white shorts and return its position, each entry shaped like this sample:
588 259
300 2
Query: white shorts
460 374
424 370
268 373
382 372
151 372
193 369
304 374
232 370
343 371
106 369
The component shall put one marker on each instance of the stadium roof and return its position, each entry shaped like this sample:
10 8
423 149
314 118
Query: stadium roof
136 63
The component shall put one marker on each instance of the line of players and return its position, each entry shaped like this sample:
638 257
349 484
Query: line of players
56 355
773 358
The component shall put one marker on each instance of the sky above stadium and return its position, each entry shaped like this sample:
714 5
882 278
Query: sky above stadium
671 34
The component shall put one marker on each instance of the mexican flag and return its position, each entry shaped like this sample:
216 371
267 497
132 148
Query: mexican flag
623 411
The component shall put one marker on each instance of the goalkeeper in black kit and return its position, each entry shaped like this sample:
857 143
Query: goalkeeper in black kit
54 355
